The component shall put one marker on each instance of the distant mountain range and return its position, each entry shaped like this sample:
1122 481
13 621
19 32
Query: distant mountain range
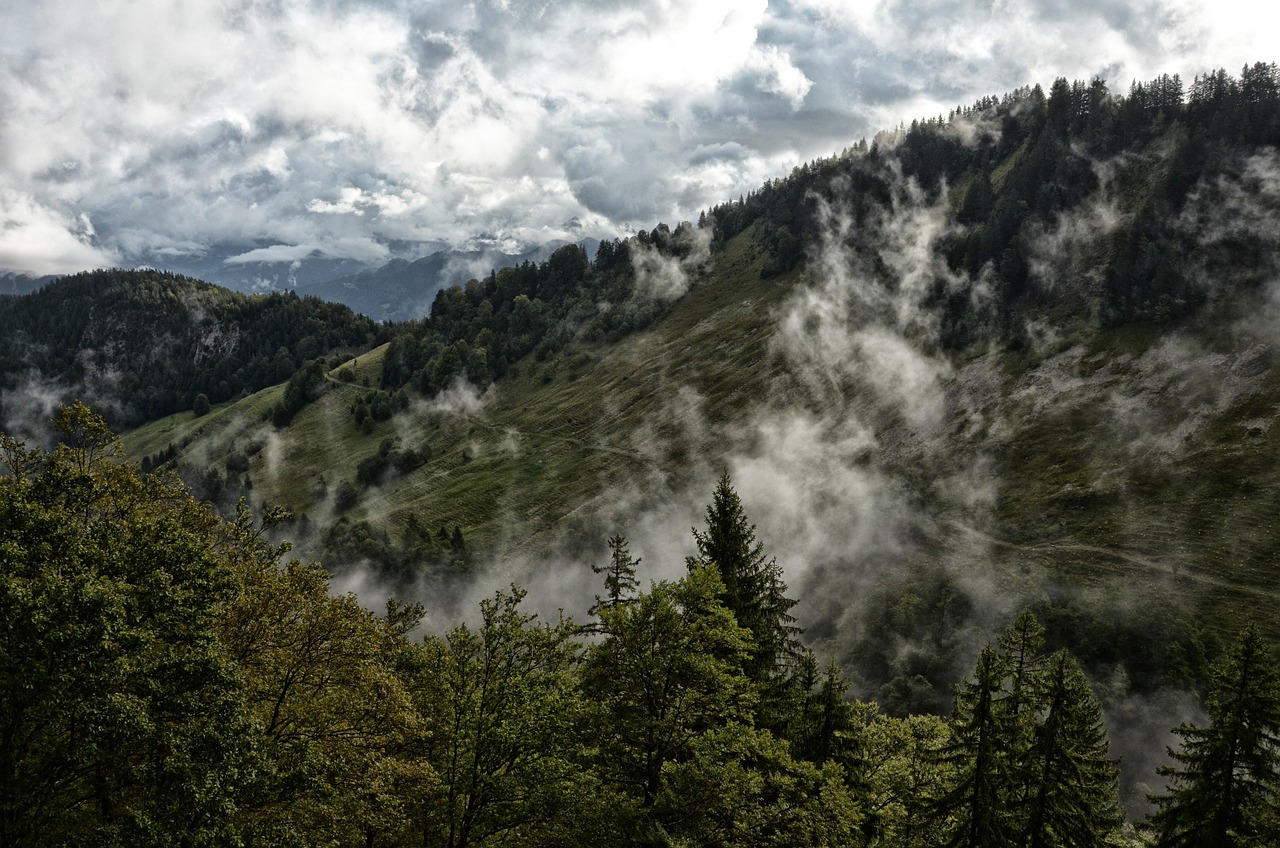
399 290
19 284
402 290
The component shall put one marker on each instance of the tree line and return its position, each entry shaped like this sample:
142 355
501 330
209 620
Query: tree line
168 677
1011 164
1008 165
480 330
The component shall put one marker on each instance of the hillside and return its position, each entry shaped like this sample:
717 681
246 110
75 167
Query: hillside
142 344
1018 357
1029 344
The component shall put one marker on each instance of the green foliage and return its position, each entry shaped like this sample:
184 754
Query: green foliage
905 779
333 722
1223 790
619 576
669 667
504 709
479 330
304 386
345 497
672 717
753 587
1027 753
389 458
1022 160
121 719
166 677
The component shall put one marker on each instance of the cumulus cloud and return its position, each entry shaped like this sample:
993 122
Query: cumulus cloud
37 240
179 128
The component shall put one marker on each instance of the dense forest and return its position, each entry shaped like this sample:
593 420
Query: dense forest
168 677
1009 165
149 343
481 329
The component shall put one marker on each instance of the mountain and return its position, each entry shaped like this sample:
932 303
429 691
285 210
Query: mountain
1019 356
260 266
142 344
1022 356
402 290
20 284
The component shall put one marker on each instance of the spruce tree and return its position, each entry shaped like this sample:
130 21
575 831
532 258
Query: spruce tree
754 590
1222 792
1028 752
1072 798
1020 646
619 576
975 808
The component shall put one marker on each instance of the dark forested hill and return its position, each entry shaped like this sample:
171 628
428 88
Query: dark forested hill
1033 291
1148 171
144 344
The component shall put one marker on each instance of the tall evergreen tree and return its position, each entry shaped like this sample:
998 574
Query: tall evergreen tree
1072 795
976 807
1222 793
1028 752
754 590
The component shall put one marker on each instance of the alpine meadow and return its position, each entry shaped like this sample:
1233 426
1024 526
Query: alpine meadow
925 495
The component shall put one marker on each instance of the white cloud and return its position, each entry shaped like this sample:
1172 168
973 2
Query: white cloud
363 249
36 240
181 126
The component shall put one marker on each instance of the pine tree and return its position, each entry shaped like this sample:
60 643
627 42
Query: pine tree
1020 646
976 805
619 576
1028 752
1223 791
754 589
1073 797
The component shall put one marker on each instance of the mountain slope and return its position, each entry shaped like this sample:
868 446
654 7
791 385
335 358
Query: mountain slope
144 344
1020 357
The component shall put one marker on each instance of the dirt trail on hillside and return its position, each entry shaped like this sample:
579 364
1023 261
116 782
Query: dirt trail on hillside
1136 559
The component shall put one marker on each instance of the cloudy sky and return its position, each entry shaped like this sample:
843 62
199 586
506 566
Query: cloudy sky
132 130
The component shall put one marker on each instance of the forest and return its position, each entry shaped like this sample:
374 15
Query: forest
170 677
150 343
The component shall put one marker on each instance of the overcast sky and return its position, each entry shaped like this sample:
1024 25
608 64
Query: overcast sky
131 129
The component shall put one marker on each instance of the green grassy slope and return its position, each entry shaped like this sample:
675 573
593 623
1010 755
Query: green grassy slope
539 447
1116 465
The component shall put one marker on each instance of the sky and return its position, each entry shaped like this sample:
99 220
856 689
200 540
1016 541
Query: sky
269 131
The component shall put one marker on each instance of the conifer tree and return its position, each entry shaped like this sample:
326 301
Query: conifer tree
1222 793
619 576
754 590
1072 798
1020 646
976 805
1028 752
